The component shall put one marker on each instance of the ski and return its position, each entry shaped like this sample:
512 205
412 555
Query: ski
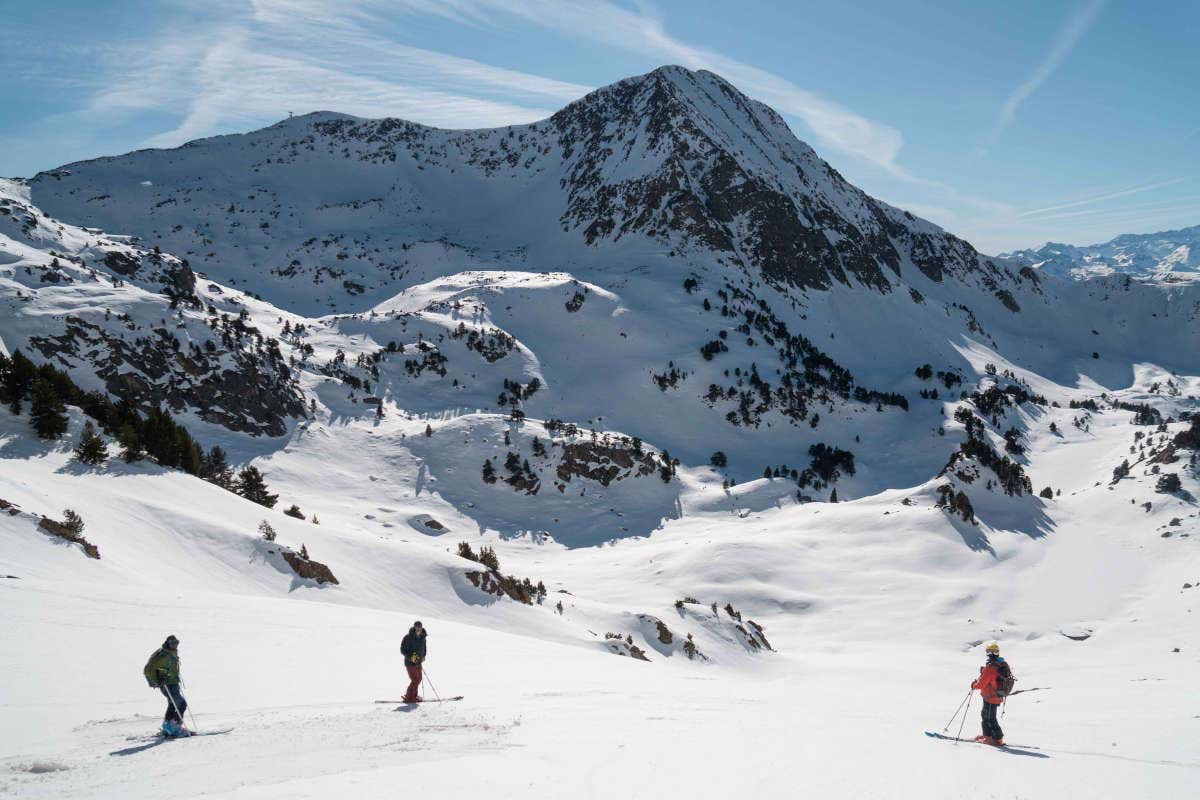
431 700
217 732
161 737
946 738
1036 689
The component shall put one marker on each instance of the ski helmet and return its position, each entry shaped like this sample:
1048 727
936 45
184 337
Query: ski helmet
993 648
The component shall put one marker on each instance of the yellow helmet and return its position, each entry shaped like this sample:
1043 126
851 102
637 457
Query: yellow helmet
992 648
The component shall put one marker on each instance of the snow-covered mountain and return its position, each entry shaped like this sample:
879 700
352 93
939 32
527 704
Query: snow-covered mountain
1167 256
638 349
710 283
330 212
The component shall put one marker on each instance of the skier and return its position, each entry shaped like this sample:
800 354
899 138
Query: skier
412 647
162 673
994 683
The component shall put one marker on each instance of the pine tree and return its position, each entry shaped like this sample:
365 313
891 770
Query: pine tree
1168 483
689 647
250 485
131 444
191 457
72 522
91 449
833 496
216 468
19 375
428 429
488 557
266 531
47 413
489 472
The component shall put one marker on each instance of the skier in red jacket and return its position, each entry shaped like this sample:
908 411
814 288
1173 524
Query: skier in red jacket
994 683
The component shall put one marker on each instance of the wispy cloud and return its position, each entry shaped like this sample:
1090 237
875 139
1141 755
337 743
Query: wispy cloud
1172 205
1064 42
1087 201
252 64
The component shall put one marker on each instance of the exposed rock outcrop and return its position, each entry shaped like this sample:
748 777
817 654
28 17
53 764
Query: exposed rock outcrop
307 568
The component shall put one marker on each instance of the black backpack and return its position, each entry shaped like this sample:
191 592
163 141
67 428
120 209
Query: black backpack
1004 679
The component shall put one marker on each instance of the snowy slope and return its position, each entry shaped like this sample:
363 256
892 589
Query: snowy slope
376 314
875 609
1167 256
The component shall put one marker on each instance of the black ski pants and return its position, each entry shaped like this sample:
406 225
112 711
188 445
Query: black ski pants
176 705
991 727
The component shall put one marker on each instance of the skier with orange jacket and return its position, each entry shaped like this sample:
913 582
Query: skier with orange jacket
994 683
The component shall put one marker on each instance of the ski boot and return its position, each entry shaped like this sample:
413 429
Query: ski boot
174 730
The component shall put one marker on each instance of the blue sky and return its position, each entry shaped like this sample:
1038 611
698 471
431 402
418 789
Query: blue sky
1008 123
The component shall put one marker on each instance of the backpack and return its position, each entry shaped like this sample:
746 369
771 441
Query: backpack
153 667
1004 679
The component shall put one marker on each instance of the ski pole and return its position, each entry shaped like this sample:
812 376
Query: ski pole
189 711
964 719
425 678
960 705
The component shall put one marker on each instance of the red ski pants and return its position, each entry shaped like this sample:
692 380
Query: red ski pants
414 682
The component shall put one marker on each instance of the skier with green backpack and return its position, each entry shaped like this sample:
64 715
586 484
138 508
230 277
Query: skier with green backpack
162 673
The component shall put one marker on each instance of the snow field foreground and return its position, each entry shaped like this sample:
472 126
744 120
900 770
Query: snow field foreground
873 608
294 681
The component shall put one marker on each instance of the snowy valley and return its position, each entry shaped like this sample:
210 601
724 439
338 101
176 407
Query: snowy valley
706 471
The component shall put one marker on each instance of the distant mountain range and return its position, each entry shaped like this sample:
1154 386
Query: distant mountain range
1165 256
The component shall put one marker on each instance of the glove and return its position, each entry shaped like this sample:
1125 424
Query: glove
416 659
